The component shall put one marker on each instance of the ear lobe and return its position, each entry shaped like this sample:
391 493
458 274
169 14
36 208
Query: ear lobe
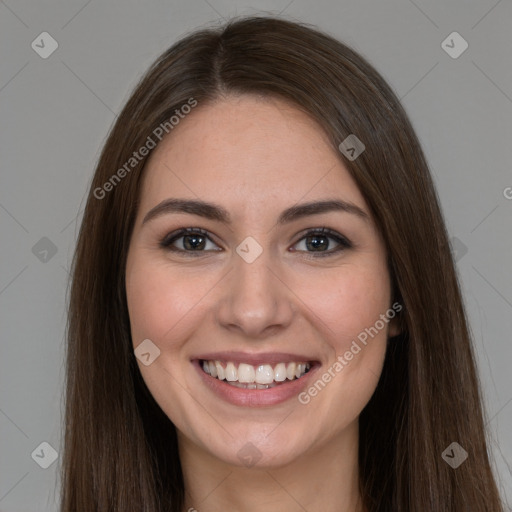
395 327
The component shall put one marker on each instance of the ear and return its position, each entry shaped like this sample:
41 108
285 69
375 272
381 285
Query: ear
394 328
396 324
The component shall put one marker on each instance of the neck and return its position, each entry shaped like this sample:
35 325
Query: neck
323 479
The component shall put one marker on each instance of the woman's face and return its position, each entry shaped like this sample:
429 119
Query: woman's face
252 295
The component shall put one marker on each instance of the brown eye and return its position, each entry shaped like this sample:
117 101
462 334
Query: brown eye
188 240
320 241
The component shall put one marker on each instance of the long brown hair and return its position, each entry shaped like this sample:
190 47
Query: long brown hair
120 449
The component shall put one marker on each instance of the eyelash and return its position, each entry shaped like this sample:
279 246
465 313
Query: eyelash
344 243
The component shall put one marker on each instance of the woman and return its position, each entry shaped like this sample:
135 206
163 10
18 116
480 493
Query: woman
264 309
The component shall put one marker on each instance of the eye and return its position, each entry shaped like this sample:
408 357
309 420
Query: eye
188 240
195 240
318 241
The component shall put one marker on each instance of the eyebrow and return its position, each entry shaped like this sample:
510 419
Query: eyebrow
218 213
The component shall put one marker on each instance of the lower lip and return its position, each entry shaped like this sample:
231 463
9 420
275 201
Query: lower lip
255 397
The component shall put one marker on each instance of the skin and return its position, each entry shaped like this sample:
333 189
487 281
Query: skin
256 157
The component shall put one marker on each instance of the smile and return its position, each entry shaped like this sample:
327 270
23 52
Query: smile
248 376
255 380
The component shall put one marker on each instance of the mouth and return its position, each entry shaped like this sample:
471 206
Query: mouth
248 376
255 380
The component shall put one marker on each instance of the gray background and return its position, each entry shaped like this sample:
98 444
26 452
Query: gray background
56 113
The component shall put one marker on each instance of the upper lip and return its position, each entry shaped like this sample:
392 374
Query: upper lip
256 359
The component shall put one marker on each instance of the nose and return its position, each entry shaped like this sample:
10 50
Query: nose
255 300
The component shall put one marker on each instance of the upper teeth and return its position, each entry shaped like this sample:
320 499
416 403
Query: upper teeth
262 374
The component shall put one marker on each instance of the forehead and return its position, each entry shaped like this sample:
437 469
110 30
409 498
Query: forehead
247 149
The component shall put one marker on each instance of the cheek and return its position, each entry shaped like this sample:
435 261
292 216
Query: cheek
164 306
349 302
349 308
160 300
